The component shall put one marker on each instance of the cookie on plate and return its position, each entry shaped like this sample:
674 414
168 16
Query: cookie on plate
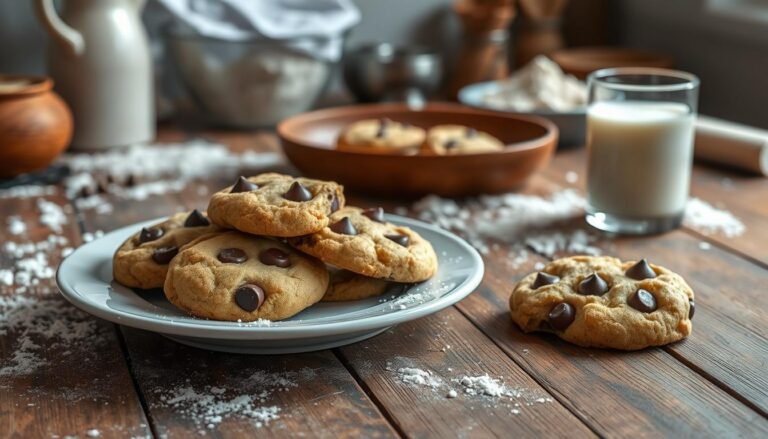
276 205
142 261
381 136
361 241
346 286
459 139
234 276
604 302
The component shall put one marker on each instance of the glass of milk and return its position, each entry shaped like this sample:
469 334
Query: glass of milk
640 124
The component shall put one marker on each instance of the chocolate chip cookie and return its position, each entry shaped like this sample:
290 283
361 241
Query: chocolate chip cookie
459 139
346 285
381 136
142 261
276 205
234 276
362 241
603 302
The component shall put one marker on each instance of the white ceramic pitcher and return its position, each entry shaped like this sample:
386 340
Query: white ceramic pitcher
100 61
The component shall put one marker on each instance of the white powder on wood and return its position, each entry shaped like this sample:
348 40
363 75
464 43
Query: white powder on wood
51 215
16 226
706 218
418 377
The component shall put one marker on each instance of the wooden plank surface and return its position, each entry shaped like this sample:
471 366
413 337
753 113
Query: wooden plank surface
62 372
732 308
322 398
449 347
619 394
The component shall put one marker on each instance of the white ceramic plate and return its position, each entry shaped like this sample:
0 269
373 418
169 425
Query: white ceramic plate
572 124
85 279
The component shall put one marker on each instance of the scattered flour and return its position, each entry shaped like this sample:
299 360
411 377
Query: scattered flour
208 406
27 191
484 385
42 323
93 433
418 377
706 218
51 215
16 226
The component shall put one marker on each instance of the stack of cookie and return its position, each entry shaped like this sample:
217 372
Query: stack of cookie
264 250
386 136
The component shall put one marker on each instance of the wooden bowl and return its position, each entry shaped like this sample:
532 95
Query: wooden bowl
309 141
35 124
582 61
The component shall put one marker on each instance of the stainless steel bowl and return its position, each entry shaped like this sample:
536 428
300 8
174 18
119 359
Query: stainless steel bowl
383 72
246 84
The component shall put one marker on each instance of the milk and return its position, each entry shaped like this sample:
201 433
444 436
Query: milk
640 157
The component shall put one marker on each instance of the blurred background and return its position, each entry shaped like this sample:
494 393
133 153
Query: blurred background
724 42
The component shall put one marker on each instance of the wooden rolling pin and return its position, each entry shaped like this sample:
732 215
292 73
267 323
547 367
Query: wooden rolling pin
727 143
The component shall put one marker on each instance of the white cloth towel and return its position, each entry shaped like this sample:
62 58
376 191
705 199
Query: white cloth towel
317 24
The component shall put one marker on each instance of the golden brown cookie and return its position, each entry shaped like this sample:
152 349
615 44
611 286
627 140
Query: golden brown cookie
459 139
142 261
603 302
234 276
361 241
381 136
346 285
276 205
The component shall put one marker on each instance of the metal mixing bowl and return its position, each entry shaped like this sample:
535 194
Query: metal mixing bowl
383 72
246 84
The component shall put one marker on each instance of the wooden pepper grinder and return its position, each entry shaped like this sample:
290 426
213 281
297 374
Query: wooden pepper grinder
540 30
483 55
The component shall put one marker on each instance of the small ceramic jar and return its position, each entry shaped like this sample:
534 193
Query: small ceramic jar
35 124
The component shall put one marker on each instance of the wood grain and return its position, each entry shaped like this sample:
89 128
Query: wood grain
72 384
327 401
618 394
450 347
730 340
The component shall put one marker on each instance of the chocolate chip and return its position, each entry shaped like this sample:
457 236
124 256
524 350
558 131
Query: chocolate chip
643 301
593 285
275 256
383 123
101 186
470 133
691 309
400 239
334 204
196 219
110 178
232 256
450 144
150 234
297 192
641 270
85 192
561 316
249 297
130 181
375 213
243 185
344 227
543 279
163 255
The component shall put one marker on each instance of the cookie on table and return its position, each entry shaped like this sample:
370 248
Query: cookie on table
142 261
276 205
234 276
459 139
346 286
604 302
381 136
361 241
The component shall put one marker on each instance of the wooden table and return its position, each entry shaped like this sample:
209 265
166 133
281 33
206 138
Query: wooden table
715 383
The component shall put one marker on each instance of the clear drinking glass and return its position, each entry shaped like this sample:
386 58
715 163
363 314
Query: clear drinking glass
640 127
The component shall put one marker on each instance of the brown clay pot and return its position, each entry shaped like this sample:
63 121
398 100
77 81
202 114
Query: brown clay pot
35 124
